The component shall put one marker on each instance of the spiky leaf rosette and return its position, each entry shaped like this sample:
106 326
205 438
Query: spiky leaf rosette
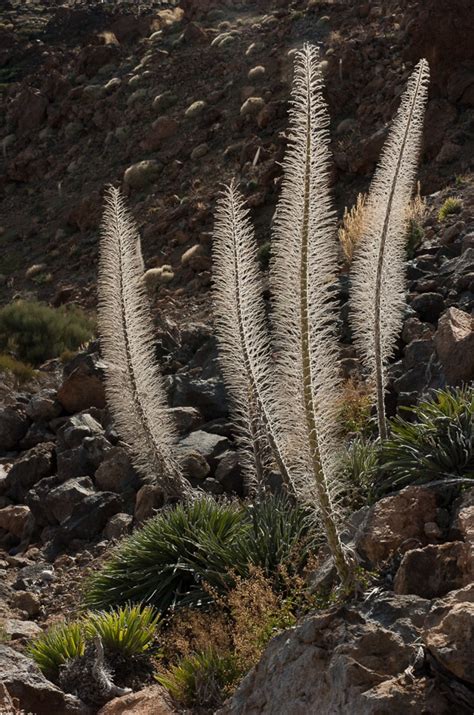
134 386
303 275
378 271
242 332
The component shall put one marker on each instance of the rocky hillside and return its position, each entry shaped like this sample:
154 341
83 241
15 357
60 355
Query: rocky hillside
167 101
199 94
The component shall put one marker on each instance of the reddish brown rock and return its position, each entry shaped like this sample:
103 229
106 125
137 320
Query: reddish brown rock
435 570
83 386
163 128
396 522
449 638
149 499
14 519
463 523
454 342
150 701
336 662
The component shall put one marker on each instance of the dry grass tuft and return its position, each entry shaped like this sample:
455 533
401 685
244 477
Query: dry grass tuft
352 228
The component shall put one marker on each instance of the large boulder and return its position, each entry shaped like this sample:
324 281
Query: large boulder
338 662
24 681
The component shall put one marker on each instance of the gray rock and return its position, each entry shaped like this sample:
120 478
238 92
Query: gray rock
404 614
37 433
34 465
454 342
212 486
429 306
37 497
209 396
436 569
149 499
252 106
185 418
208 445
84 459
418 352
142 174
194 465
43 406
91 515
337 662
13 426
28 602
195 109
76 429
62 500
24 681
19 630
229 473
164 101
118 526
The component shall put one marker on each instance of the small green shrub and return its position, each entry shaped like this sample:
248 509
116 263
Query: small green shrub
437 444
185 552
22 371
34 332
281 533
360 468
128 630
171 559
450 206
201 679
53 648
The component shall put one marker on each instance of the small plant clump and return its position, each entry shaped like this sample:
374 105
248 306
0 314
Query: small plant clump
59 644
184 551
35 332
128 630
436 443
201 679
360 467
449 207
21 370
125 632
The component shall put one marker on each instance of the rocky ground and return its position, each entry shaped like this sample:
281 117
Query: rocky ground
168 102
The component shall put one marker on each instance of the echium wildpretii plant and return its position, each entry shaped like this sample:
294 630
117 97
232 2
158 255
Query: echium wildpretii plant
289 404
284 383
